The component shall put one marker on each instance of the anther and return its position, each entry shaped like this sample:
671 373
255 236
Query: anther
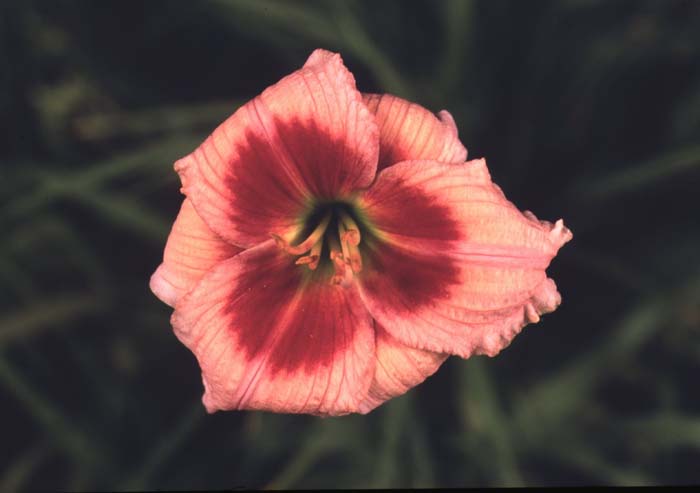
352 232
307 260
354 258
343 240
313 258
338 260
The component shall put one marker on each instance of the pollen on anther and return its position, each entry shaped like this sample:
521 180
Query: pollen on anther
352 232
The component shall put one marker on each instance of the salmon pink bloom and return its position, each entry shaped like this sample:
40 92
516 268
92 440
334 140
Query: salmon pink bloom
334 248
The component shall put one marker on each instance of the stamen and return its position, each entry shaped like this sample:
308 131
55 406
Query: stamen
352 232
342 274
304 246
355 258
351 253
338 261
307 260
343 240
314 256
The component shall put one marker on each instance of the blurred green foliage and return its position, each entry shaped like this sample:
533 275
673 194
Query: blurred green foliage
587 110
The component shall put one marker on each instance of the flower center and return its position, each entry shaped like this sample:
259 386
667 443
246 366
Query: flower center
330 236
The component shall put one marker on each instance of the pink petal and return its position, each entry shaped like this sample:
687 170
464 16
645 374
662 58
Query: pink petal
309 135
408 131
269 337
460 269
398 369
192 249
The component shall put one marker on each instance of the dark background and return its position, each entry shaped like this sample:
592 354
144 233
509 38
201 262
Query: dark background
587 110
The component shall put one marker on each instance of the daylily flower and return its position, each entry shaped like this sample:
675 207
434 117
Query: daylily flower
334 248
